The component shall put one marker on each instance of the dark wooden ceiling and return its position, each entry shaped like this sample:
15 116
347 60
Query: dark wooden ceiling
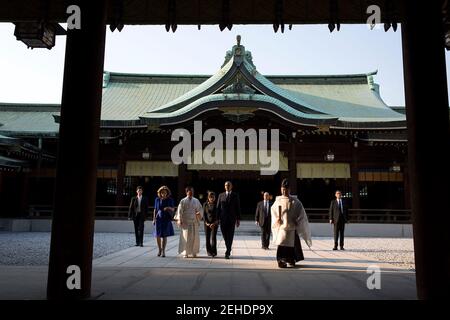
194 12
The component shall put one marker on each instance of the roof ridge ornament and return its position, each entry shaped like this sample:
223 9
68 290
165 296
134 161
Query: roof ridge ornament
106 78
239 54
238 86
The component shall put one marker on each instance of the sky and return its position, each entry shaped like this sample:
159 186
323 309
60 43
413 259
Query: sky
35 76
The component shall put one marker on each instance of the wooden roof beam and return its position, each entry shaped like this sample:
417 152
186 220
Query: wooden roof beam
206 12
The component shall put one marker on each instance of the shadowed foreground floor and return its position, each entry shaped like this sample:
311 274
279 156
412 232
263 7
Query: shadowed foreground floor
252 273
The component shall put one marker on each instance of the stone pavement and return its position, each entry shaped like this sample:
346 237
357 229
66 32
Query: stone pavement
251 273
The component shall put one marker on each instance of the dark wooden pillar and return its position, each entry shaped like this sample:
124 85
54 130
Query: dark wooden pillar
120 176
76 174
2 194
292 164
24 194
406 187
182 180
354 176
428 122
355 188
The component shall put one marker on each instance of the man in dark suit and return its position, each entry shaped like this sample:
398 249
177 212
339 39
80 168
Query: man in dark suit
263 219
138 211
338 216
229 213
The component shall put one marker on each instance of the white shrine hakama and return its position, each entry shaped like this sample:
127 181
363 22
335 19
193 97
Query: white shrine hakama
189 229
294 222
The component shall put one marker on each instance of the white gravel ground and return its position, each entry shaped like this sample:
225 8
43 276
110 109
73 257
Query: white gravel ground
397 251
32 248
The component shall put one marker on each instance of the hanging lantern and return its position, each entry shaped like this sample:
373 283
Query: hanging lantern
38 34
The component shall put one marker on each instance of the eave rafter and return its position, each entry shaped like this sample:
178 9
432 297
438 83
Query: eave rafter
224 13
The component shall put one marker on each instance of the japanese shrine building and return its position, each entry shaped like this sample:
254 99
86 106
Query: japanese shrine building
335 132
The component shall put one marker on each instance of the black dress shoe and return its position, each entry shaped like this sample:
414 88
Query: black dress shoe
282 264
334 248
342 248
141 245
227 256
136 245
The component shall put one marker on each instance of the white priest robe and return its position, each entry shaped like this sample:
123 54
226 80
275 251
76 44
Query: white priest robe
189 236
293 217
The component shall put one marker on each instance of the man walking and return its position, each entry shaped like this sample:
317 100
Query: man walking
229 212
289 222
137 211
338 216
188 218
263 220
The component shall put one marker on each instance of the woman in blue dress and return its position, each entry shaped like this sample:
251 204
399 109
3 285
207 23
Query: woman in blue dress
162 218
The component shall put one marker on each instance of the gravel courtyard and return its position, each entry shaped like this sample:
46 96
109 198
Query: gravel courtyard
397 251
32 248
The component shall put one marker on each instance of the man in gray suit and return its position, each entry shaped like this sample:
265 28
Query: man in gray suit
338 216
263 219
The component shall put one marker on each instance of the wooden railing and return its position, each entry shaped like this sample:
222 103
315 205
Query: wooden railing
104 212
364 215
314 214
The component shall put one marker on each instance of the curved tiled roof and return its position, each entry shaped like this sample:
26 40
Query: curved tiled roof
28 119
216 99
126 101
352 100
203 88
130 100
